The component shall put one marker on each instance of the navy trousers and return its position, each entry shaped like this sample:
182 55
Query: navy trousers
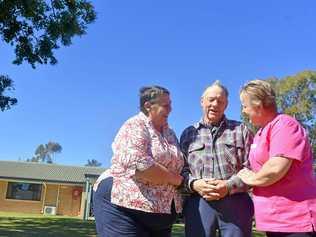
115 221
230 216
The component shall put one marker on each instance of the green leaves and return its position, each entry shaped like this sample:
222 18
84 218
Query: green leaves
35 28
6 84
93 163
296 96
45 153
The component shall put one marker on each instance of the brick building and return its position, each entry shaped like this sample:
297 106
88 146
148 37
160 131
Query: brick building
30 187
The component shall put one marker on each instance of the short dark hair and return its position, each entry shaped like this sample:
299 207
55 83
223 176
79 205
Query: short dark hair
150 94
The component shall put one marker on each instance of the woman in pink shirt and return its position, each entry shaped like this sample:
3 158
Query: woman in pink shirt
282 177
137 196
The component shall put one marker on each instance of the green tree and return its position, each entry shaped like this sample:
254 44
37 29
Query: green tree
6 84
93 163
46 152
35 28
296 96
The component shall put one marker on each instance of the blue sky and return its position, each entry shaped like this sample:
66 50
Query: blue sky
182 45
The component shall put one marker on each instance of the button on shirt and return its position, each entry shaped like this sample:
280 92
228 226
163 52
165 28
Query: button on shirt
216 152
138 146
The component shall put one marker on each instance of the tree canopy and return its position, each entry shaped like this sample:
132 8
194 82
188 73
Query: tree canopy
6 84
93 163
35 28
296 96
45 152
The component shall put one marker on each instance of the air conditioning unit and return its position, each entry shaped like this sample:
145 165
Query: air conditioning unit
49 210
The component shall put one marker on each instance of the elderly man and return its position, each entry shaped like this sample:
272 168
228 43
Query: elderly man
215 149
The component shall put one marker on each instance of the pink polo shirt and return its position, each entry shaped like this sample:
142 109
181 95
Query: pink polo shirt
288 205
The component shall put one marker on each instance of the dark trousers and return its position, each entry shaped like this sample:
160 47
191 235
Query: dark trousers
230 216
115 221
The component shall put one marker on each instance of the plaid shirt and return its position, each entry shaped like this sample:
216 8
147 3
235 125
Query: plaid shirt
216 152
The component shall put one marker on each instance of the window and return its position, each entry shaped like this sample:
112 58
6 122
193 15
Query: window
24 191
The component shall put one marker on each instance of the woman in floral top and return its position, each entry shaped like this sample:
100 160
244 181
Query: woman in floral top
138 195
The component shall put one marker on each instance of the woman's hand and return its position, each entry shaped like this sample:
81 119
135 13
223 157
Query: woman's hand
247 176
175 179
158 175
140 177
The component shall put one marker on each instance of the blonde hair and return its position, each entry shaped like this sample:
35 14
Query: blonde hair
260 93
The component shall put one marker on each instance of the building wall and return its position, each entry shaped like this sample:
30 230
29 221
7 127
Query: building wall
51 195
11 205
67 202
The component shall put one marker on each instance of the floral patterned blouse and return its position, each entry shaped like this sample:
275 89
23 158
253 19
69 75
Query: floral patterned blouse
137 146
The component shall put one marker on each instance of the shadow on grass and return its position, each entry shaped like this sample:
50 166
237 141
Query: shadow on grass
50 226
178 231
62 227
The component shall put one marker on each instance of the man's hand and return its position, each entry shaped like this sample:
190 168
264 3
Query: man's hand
211 189
219 187
206 188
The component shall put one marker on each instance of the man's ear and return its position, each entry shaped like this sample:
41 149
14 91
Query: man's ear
201 101
226 104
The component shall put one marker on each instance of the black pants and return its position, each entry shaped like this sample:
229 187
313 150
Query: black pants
115 221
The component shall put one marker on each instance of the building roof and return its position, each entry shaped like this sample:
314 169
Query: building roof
17 170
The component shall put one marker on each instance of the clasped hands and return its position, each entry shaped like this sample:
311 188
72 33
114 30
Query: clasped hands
211 189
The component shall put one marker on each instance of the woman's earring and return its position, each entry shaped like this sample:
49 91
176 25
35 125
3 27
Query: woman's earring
147 106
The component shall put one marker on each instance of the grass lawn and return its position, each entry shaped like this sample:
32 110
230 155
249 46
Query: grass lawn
178 231
20 225
16 225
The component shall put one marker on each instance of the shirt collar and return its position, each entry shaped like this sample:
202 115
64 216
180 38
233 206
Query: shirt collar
200 124
144 117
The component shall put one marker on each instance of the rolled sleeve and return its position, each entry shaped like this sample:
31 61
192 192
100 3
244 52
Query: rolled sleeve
288 139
